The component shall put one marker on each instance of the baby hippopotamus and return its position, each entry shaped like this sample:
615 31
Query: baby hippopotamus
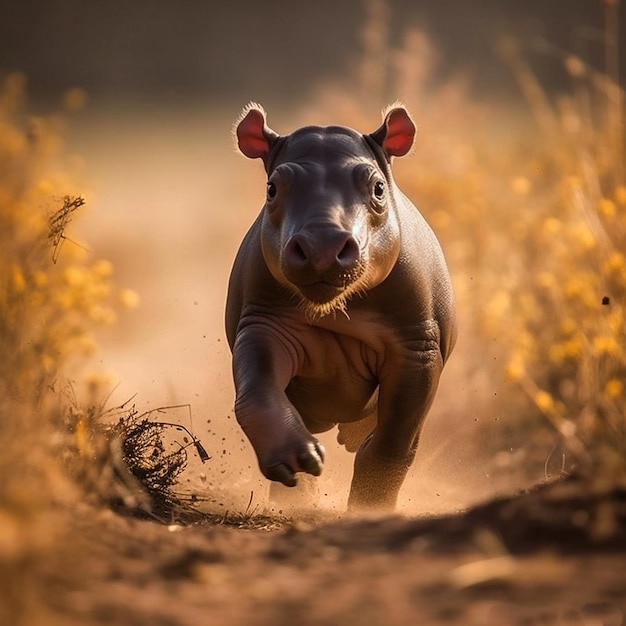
340 309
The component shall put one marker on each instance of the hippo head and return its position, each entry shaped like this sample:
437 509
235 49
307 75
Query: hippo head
329 225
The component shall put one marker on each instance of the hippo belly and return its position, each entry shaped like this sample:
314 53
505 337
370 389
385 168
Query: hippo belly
336 382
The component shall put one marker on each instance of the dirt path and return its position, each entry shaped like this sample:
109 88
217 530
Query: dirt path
553 556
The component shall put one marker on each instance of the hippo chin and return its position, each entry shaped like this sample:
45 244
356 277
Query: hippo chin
322 298
336 235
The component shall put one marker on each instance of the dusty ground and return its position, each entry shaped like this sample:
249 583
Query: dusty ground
556 555
171 223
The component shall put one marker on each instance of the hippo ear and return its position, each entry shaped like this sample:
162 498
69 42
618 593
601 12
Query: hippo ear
254 137
396 134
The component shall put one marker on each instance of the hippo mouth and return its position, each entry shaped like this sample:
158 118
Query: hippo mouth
324 297
322 292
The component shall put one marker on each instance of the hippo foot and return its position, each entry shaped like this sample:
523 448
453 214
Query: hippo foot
308 459
376 480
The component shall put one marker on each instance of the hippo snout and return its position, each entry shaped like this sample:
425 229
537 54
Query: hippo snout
325 252
326 261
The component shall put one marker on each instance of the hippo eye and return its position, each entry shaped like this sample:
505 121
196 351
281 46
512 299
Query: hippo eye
271 190
379 190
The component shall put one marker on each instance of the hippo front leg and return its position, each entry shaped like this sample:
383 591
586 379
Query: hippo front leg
263 365
385 457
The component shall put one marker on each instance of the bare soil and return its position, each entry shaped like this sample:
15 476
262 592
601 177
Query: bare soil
554 555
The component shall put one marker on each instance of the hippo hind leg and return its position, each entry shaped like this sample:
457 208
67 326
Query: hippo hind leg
352 434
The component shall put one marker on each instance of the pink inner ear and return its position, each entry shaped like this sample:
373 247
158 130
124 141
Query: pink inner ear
400 133
250 136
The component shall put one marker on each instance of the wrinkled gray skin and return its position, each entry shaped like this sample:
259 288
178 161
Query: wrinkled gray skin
340 309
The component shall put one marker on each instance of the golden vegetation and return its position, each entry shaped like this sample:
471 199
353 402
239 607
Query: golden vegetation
53 295
530 205
52 292
563 313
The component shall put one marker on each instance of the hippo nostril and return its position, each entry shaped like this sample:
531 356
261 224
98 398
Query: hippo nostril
298 252
295 253
349 253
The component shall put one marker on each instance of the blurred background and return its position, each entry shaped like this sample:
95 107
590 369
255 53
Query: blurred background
160 52
150 91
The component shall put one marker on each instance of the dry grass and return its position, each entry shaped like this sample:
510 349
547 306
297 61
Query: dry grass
530 205
567 293
136 460
52 297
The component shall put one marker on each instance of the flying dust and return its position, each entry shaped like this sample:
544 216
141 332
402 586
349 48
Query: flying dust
171 226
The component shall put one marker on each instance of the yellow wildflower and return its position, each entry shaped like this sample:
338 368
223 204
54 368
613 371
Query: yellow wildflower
605 344
36 299
572 184
17 279
48 363
568 428
556 353
103 268
552 226
40 278
581 288
582 235
515 369
74 276
499 304
64 299
44 187
616 263
129 299
544 400
614 388
520 185
570 349
606 207
569 325
615 321
96 290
